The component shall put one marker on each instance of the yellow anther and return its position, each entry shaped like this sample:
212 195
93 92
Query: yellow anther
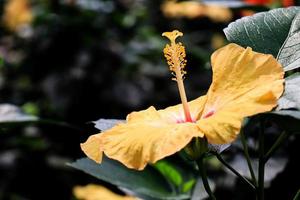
175 56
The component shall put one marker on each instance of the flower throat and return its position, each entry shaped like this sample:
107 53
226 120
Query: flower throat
175 56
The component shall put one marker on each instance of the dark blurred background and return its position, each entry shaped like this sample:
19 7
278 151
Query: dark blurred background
75 61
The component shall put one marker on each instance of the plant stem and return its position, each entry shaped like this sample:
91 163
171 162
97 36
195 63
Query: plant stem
261 165
246 153
297 196
202 170
234 171
284 135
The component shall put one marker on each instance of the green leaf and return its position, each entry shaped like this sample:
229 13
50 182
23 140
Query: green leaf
183 177
11 115
291 96
31 108
265 32
187 186
297 196
289 54
289 120
148 182
1 62
273 167
169 171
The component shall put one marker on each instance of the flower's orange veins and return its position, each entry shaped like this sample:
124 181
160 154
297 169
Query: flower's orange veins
175 55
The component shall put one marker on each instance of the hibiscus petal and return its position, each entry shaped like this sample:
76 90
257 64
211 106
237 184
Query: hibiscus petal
222 128
92 147
135 145
97 192
244 83
139 142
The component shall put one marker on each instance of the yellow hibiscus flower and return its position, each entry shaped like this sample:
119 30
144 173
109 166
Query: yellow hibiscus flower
244 83
16 14
196 9
97 192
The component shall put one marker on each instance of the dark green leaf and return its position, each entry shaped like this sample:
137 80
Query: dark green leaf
291 96
289 54
169 171
289 120
265 32
297 196
11 116
1 62
144 183
273 167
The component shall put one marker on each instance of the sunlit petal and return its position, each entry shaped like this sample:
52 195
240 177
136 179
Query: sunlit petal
136 144
92 147
244 83
139 142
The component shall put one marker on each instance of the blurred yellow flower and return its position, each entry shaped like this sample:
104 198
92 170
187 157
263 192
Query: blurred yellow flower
97 192
218 41
195 9
16 14
244 83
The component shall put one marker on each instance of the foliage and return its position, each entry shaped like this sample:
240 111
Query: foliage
77 60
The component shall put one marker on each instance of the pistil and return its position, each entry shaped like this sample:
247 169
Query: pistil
175 55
